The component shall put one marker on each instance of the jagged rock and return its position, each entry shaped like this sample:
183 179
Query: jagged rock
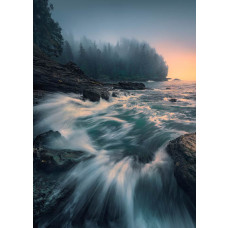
183 152
74 68
114 94
51 160
95 94
47 194
50 76
173 100
48 157
129 86
105 95
44 140
92 95
49 164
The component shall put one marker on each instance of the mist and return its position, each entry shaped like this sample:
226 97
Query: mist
128 59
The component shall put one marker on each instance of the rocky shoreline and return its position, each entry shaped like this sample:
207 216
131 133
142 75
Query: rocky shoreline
50 76
51 164
49 168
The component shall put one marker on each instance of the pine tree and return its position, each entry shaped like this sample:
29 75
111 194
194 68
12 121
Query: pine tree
46 32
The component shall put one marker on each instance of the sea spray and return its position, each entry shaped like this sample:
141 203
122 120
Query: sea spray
128 182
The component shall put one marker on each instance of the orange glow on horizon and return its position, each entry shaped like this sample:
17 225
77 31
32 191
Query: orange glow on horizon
181 62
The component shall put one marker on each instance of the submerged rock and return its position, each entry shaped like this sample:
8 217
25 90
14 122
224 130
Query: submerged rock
130 86
114 94
173 100
183 152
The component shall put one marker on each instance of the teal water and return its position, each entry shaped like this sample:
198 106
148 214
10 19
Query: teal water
129 181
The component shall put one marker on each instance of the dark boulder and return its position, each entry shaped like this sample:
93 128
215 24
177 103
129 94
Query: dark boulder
49 166
48 154
53 160
130 86
183 152
114 94
173 100
95 94
91 95
105 95
45 140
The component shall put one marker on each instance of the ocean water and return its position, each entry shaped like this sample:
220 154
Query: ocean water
128 182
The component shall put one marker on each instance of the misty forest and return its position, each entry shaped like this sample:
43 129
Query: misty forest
114 142
127 60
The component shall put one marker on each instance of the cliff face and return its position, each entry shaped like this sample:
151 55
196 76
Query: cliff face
183 152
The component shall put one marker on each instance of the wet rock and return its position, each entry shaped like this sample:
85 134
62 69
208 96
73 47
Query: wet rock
49 166
47 195
114 94
105 95
45 139
183 152
53 160
95 94
50 76
48 158
173 100
91 95
130 86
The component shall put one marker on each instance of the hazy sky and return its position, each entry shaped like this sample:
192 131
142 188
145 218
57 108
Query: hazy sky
167 25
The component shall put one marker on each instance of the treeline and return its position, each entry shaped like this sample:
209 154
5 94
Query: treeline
46 32
127 60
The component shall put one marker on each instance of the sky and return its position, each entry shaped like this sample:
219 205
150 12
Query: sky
167 25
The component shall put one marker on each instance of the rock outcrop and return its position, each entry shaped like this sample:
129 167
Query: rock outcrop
49 165
183 152
50 76
95 94
129 86
173 100
115 94
44 198
47 155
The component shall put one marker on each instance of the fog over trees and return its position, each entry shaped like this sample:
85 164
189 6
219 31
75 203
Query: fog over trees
127 60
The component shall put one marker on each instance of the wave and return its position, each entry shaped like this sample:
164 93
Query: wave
128 182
